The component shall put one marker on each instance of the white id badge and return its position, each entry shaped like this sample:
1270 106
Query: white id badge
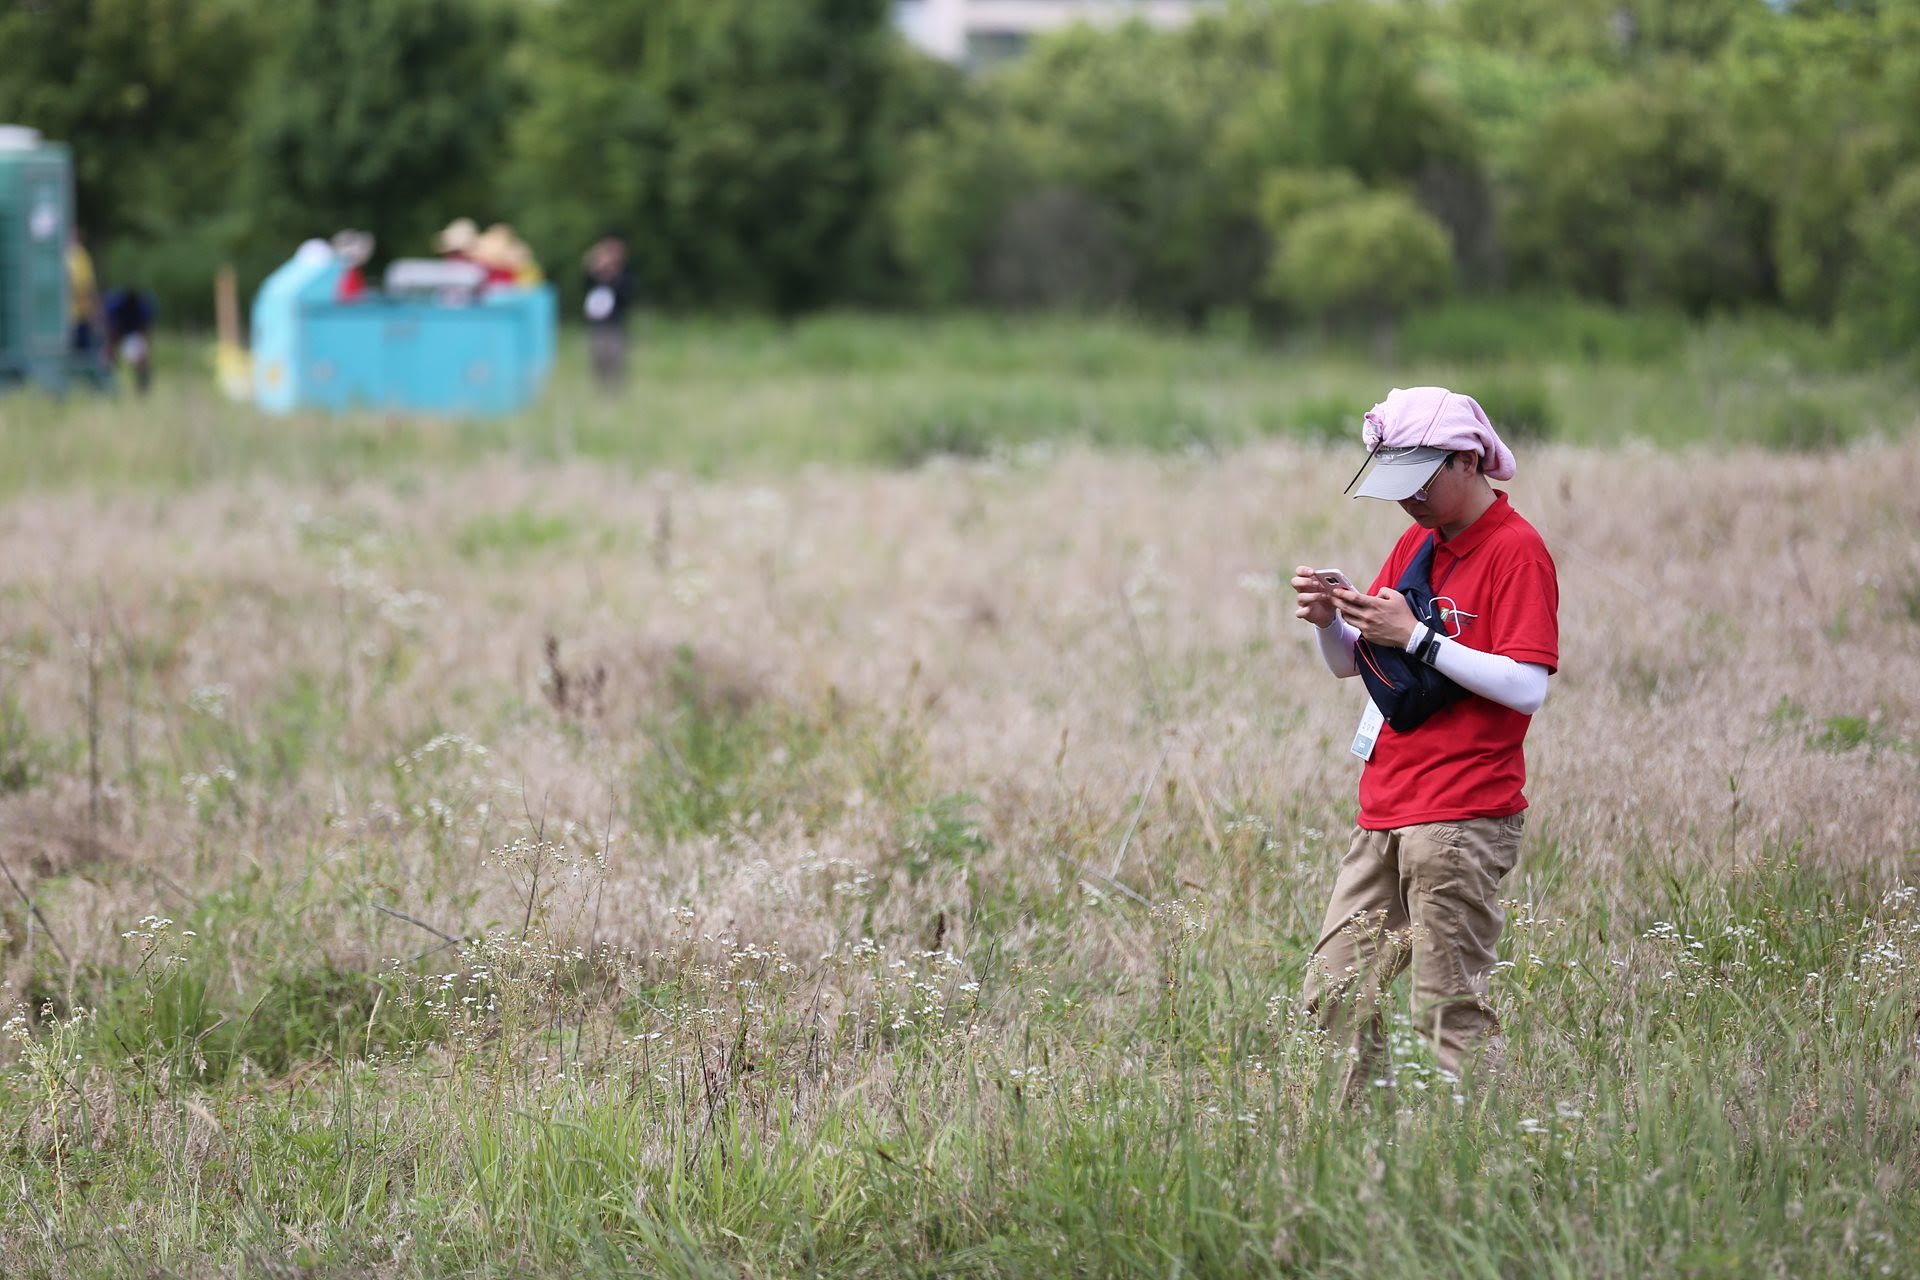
1368 733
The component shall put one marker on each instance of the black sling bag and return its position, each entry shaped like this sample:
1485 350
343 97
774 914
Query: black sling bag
1407 690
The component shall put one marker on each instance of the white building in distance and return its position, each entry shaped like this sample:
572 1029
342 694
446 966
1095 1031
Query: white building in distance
980 32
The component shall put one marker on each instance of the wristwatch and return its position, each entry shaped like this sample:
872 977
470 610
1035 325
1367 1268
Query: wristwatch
1428 650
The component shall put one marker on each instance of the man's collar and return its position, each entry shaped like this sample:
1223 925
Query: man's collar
1463 543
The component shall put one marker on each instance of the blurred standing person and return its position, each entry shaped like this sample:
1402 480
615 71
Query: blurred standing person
518 256
130 326
1455 641
495 251
609 292
353 249
88 323
457 239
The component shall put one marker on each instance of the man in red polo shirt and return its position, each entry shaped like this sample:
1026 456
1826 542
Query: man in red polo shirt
1441 804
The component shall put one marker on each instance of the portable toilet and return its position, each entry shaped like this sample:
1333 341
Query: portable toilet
36 218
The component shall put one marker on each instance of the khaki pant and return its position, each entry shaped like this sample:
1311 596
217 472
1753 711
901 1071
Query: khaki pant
1429 895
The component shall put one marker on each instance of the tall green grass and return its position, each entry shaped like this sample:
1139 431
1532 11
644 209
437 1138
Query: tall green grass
755 396
1718 1083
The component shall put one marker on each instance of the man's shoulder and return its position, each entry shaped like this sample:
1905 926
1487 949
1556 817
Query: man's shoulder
1517 541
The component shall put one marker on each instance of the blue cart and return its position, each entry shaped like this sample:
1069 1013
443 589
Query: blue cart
446 349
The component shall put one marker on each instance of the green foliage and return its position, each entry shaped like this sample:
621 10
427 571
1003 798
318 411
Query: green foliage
179 1009
736 143
1078 175
1504 95
265 745
1289 193
1329 418
177 1021
22 754
1802 423
1629 194
1824 112
1188 1119
1130 165
722 753
151 94
953 431
1520 407
1883 285
1847 733
384 115
1369 258
1605 31
1541 330
941 835
1907 596
789 154
1838 734
746 397
1340 86
517 532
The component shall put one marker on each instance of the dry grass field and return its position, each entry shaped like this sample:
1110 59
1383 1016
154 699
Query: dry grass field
557 869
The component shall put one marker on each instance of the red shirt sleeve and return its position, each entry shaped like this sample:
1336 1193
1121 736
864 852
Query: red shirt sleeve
1524 615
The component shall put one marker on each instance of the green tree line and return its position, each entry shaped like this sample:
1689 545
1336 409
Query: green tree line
1297 162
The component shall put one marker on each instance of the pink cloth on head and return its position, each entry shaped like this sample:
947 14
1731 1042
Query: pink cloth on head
1436 418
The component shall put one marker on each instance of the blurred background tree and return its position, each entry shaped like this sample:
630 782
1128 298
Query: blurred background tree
1128 165
788 154
1882 287
1628 192
152 95
1825 112
736 143
387 116
1363 260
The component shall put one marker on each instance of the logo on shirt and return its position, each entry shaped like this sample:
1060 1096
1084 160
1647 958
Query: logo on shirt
1453 619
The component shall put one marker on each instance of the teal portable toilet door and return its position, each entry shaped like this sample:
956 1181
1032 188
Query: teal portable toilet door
44 208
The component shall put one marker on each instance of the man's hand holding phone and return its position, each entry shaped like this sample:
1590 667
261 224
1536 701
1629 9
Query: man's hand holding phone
1313 592
1385 619
1324 594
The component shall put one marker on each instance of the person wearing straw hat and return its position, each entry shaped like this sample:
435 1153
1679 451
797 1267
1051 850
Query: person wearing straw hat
1455 640
457 239
506 256
494 251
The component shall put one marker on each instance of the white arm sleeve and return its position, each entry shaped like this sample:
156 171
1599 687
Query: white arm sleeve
1521 686
1336 646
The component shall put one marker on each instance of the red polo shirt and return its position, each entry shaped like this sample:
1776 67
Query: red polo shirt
1497 587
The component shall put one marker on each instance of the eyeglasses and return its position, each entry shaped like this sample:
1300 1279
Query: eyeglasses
1424 491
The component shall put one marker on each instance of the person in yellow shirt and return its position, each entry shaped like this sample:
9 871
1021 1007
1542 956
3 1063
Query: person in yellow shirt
506 257
83 289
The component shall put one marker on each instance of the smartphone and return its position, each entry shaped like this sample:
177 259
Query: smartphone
1334 578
